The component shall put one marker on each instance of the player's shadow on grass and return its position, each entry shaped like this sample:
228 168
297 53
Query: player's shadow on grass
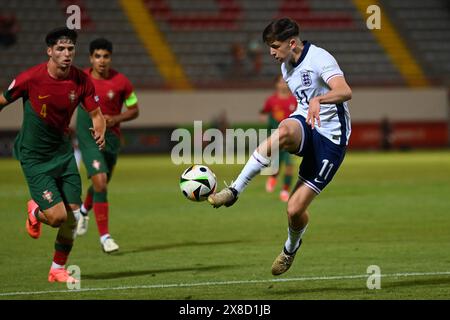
384 285
151 272
175 245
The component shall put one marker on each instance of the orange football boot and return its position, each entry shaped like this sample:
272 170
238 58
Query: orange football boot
33 225
270 184
60 275
284 195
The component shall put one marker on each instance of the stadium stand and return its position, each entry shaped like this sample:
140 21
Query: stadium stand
203 34
425 25
37 17
8 30
205 51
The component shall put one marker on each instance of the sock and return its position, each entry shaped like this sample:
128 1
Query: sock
83 210
62 252
87 205
64 239
104 237
101 210
57 266
287 183
293 240
253 167
76 215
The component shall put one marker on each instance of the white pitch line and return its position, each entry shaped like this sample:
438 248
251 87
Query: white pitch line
220 283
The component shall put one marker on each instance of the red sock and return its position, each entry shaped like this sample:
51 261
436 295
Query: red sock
101 216
60 257
88 201
62 252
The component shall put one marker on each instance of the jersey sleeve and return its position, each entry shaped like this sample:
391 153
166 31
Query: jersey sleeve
90 100
327 66
129 97
18 88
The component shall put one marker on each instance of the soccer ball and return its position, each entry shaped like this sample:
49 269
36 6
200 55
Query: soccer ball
198 182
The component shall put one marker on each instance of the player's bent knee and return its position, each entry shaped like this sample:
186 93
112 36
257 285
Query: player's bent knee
295 208
100 186
289 135
56 219
283 133
56 222
56 215
100 182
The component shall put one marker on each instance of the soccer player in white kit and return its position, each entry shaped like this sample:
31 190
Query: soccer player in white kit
318 130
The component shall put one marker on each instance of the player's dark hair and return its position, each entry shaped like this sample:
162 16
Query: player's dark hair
280 30
99 44
60 33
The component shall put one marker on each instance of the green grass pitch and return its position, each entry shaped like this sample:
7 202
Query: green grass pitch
386 209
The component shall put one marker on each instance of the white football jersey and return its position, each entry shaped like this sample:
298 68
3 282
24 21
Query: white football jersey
308 79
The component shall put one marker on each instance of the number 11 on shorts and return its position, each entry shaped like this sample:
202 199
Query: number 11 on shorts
325 164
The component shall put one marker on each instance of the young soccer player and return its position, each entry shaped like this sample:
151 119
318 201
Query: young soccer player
318 130
114 90
277 108
51 91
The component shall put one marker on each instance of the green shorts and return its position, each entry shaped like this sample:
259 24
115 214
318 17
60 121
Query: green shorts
53 181
94 160
97 161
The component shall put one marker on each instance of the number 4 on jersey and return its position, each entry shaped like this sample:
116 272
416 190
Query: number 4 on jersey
43 112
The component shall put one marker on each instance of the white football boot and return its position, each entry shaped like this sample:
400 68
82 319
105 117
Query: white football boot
284 261
109 245
226 197
82 226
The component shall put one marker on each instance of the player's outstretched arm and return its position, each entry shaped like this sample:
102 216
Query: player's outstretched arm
99 129
340 92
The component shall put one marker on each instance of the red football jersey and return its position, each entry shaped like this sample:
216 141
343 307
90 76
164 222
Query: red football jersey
280 108
53 100
112 93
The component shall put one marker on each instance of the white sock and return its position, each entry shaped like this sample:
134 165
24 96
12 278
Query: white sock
104 237
57 266
76 214
254 165
293 239
83 210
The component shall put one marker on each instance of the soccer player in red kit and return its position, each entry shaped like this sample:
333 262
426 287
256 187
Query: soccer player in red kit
51 91
278 107
114 91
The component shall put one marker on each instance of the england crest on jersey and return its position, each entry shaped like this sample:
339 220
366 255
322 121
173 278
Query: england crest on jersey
306 78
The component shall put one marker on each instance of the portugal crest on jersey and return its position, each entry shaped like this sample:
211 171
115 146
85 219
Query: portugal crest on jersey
110 94
72 96
306 78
